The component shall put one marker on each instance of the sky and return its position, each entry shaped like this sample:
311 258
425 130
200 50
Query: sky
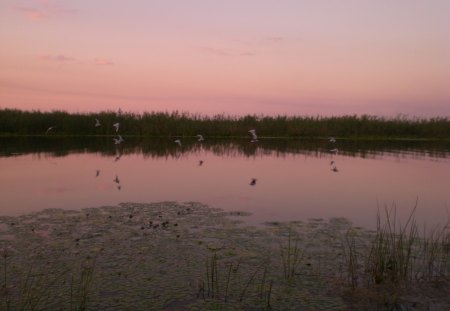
234 57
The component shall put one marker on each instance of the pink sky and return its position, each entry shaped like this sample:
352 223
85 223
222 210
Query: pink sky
328 57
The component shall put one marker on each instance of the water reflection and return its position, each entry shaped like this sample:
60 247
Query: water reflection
275 179
165 147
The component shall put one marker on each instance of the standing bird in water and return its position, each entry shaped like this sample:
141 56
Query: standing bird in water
178 142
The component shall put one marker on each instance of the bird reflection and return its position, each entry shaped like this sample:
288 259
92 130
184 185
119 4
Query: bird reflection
178 142
97 173
253 182
116 180
97 123
200 163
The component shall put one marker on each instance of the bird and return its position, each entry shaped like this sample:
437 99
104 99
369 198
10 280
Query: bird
178 142
254 137
118 140
116 125
200 137
253 182
119 187
97 123
334 150
116 180
334 169
117 157
332 140
97 173
49 129
332 162
200 163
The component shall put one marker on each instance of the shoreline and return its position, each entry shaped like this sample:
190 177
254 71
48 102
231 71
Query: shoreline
188 256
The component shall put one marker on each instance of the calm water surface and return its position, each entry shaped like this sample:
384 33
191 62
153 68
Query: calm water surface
294 180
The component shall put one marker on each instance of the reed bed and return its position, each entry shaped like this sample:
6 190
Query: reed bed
177 124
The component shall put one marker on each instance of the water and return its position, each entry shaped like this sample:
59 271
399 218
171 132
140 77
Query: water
294 180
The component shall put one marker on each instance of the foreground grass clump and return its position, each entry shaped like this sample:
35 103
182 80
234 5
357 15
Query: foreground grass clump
399 258
173 256
163 124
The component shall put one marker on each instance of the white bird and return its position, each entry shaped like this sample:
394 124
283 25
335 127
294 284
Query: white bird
119 140
116 125
200 137
335 150
332 140
116 180
178 142
49 129
97 123
253 182
254 137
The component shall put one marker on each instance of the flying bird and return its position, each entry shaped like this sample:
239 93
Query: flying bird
97 123
116 180
254 137
253 182
118 140
49 129
178 142
116 125
200 137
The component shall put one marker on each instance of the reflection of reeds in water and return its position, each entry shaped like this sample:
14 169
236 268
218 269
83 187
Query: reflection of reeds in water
164 147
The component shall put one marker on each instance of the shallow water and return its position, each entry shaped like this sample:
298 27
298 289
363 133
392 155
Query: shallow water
294 180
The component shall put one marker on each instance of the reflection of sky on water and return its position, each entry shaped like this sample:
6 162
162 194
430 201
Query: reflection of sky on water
289 186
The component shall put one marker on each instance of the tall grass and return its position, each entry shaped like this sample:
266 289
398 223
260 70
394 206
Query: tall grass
398 255
163 124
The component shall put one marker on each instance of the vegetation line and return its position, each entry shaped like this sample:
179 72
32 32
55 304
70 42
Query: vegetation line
164 124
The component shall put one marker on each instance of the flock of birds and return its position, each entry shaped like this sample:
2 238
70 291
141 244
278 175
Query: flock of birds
254 138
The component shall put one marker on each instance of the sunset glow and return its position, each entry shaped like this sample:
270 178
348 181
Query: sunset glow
235 57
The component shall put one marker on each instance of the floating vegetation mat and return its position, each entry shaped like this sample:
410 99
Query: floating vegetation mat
170 256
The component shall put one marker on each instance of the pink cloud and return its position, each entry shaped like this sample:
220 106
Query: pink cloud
41 9
274 39
103 62
222 52
57 58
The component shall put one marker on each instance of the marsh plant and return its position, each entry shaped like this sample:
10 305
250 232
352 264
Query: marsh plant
397 255
291 255
227 282
43 285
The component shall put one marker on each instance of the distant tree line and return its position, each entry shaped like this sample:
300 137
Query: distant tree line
176 124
